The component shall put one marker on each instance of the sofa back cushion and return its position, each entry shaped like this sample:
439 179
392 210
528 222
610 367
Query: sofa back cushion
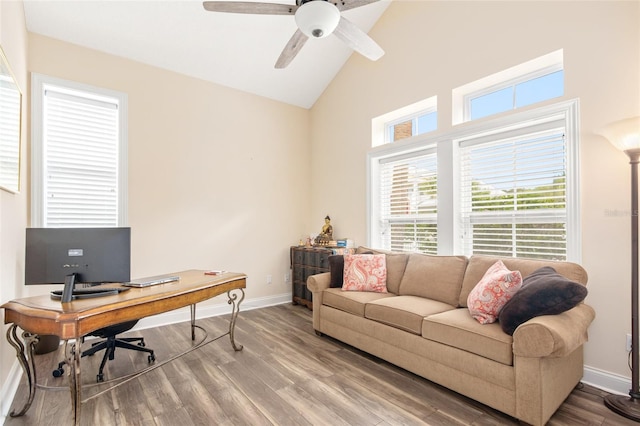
396 264
479 264
434 277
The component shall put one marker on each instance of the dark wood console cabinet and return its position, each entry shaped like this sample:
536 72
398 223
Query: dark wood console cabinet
306 261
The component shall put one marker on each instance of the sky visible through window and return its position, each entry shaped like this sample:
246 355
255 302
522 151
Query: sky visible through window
528 92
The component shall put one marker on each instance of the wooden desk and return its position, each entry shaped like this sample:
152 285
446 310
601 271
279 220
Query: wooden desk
41 315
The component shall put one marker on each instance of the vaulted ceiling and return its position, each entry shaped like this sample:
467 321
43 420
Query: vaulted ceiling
234 50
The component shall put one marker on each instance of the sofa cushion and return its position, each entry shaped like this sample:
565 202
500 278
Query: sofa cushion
479 264
404 312
457 328
494 290
544 292
351 301
434 277
365 272
396 264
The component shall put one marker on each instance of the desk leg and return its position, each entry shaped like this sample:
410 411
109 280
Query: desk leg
25 357
193 321
73 360
236 308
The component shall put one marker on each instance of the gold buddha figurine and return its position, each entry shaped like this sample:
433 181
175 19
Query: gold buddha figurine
326 234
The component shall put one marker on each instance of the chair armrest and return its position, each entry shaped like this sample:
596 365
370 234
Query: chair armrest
317 283
553 335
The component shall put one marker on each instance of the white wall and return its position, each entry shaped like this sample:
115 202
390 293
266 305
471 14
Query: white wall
432 47
216 176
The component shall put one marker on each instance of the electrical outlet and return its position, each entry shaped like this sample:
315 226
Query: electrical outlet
287 278
269 279
628 345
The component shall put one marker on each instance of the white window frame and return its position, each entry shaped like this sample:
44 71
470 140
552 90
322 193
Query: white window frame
414 123
39 83
450 232
553 131
381 236
380 124
510 83
535 68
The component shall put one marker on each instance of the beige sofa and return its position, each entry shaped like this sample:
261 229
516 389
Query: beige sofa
423 325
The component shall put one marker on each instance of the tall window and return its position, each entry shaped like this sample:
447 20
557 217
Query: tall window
10 106
407 202
513 193
79 155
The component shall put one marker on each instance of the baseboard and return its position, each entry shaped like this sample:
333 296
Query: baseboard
10 386
9 389
609 382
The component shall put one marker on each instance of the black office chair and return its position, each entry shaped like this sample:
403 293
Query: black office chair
110 344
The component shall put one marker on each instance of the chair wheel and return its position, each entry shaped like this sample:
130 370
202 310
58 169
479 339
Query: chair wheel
100 378
59 372
152 358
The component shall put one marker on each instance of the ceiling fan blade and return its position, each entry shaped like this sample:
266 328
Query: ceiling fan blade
358 40
291 49
250 7
351 4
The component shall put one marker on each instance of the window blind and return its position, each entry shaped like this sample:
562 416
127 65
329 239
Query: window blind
408 202
513 193
9 130
80 135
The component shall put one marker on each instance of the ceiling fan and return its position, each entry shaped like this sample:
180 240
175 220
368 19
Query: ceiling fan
315 18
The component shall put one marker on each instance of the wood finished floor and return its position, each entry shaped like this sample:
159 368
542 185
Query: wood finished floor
285 375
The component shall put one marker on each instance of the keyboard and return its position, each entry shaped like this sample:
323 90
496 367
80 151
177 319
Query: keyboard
86 293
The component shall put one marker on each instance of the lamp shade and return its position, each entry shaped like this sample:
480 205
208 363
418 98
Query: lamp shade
624 134
317 18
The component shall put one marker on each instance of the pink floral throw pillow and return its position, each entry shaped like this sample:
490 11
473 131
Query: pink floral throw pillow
365 272
496 287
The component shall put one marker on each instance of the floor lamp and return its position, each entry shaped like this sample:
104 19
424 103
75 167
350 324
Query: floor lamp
625 135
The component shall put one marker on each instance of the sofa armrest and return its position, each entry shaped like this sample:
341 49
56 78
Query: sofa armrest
553 335
317 283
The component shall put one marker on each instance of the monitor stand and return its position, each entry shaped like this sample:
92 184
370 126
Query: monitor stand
69 285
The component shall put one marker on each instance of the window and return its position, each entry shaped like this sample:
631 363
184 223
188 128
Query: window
407 203
513 193
518 93
406 122
508 186
420 123
10 106
78 155
534 81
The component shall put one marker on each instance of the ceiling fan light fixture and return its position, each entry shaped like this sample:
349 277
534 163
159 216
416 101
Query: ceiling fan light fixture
317 18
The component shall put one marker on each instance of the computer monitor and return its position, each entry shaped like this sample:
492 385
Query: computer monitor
77 255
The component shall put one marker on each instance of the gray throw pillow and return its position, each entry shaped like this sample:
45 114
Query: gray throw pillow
544 292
